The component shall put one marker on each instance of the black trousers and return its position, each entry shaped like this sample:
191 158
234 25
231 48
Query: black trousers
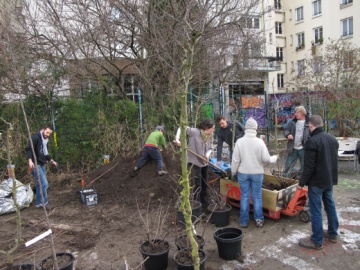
198 180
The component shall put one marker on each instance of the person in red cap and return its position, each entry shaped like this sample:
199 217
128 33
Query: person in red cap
151 150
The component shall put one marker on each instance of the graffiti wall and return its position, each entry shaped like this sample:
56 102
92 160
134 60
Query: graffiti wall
250 106
285 108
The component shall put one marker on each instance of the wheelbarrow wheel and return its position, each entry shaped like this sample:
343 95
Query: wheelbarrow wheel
304 216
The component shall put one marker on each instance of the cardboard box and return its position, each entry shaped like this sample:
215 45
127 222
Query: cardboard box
273 200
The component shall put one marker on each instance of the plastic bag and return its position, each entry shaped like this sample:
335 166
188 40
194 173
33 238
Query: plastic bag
24 196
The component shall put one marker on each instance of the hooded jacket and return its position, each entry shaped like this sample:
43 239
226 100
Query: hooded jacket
38 148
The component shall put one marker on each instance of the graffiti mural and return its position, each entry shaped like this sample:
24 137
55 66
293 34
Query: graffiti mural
250 106
285 110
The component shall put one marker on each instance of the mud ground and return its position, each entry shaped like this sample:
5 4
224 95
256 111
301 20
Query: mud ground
107 235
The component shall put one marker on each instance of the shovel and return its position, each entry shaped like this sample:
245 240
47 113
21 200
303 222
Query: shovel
208 162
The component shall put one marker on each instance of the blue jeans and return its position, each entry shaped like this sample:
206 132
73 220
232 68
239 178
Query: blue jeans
41 186
150 152
291 161
316 197
250 183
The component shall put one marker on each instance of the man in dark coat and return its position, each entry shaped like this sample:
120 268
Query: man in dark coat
39 142
320 174
225 134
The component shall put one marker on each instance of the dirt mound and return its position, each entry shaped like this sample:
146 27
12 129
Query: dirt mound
115 182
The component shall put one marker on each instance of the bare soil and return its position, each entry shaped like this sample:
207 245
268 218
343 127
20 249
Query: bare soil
108 235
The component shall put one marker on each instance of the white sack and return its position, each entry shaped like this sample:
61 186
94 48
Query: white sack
24 196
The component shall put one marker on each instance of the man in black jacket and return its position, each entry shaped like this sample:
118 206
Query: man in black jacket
320 174
39 142
225 134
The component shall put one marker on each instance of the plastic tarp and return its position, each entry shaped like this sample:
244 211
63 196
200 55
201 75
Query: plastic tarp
223 165
24 196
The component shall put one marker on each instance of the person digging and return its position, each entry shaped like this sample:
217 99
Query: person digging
151 151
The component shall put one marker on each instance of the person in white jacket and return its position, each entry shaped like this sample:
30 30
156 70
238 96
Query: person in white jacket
250 155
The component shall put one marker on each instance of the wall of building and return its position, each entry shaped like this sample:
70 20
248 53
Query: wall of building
330 18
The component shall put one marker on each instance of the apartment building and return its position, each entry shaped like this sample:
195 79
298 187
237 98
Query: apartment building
297 29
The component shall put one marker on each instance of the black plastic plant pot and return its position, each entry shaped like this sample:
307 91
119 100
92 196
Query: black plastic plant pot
220 216
65 261
21 267
182 242
183 260
156 253
228 241
196 211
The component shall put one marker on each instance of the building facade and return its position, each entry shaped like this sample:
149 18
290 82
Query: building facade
302 28
293 31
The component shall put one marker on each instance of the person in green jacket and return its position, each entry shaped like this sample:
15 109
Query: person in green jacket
151 150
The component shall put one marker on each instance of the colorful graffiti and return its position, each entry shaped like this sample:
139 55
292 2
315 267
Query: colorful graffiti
285 108
253 102
250 106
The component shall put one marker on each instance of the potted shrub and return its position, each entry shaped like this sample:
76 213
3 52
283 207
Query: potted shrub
65 261
184 261
219 209
155 249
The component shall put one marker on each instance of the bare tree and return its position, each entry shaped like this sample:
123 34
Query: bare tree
332 72
172 44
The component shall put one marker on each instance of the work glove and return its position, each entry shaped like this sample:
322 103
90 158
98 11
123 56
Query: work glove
177 142
233 178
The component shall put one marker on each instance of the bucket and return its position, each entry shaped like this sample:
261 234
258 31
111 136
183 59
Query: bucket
196 211
228 241
220 217
21 267
182 241
184 262
155 261
69 258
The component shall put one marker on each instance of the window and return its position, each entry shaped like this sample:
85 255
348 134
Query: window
318 65
347 27
348 60
280 80
256 23
277 4
299 13
318 35
251 22
316 7
255 50
279 53
301 67
300 40
278 28
346 2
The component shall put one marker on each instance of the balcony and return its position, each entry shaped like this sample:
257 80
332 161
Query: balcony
299 47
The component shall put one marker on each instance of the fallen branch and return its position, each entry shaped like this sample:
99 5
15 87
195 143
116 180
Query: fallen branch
65 227
93 181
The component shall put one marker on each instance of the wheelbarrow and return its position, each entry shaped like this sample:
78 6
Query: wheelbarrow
289 201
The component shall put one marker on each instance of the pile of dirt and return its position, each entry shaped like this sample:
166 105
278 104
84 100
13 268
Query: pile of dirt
115 182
